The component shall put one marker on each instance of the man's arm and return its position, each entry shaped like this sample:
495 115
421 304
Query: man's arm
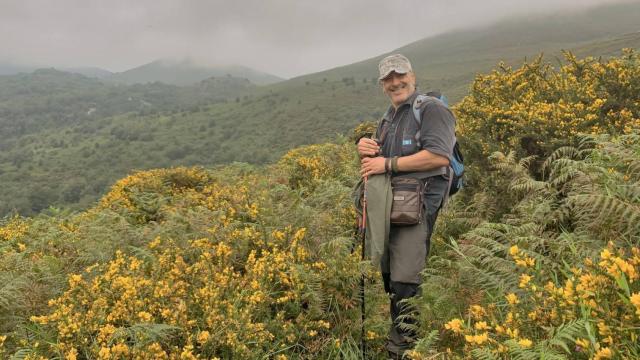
423 160
437 132
437 135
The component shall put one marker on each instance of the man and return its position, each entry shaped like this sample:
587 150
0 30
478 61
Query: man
397 152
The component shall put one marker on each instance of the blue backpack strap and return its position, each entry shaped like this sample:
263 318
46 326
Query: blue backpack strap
418 104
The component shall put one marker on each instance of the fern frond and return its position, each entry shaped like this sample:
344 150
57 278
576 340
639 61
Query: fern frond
527 185
565 152
483 354
598 210
144 334
564 336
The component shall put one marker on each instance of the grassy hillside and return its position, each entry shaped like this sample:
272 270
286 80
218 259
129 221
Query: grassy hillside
70 157
450 61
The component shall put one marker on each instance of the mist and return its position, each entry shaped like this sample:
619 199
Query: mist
282 37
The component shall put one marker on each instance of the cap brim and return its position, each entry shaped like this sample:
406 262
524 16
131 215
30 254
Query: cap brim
389 73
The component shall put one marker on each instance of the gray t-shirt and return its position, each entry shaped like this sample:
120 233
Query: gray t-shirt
398 130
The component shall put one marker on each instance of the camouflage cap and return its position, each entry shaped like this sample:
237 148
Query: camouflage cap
396 62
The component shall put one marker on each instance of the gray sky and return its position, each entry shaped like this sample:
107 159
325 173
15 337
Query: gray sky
283 37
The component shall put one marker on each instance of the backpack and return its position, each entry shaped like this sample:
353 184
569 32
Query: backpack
456 165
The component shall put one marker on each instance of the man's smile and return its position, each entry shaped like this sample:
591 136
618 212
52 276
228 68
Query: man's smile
395 88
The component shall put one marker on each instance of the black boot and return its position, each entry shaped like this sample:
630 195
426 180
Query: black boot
400 339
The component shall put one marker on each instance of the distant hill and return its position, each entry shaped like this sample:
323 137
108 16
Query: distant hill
92 72
188 72
12 69
32 103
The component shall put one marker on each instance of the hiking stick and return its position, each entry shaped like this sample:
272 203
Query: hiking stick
363 232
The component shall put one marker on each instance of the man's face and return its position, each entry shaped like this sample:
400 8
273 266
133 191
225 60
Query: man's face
399 87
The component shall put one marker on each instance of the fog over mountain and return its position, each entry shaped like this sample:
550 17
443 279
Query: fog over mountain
285 38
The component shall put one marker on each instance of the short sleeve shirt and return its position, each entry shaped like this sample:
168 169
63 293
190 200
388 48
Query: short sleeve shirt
398 129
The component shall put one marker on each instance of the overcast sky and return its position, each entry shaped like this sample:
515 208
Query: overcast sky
283 37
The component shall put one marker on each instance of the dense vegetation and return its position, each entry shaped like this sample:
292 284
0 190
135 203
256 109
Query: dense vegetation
537 258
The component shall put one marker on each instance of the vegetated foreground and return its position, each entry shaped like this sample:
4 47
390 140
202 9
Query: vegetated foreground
537 258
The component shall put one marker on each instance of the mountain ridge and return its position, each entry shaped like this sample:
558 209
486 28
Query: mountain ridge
188 72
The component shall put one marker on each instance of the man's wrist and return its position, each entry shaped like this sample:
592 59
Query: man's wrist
394 164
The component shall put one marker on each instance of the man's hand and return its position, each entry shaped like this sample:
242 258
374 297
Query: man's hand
371 166
368 147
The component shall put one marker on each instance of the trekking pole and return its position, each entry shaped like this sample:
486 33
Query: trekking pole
363 232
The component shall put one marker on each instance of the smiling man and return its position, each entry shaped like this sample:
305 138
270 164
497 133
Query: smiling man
408 148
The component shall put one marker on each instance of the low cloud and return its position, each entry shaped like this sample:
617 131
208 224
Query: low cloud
283 37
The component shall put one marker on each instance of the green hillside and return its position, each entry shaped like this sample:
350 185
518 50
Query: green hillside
451 60
69 157
50 99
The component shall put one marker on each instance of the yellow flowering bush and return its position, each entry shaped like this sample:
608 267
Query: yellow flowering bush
208 302
308 165
13 230
239 284
556 274
600 301
144 193
535 108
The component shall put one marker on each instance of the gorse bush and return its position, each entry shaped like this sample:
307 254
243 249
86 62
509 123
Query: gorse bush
212 300
307 166
554 197
218 271
534 109
557 277
594 314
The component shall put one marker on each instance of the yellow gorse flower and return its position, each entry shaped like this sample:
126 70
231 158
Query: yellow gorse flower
552 304
604 353
583 343
477 339
455 325
512 299
526 343
635 300
546 103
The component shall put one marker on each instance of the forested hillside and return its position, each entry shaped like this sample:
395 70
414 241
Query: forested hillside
538 257
63 132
